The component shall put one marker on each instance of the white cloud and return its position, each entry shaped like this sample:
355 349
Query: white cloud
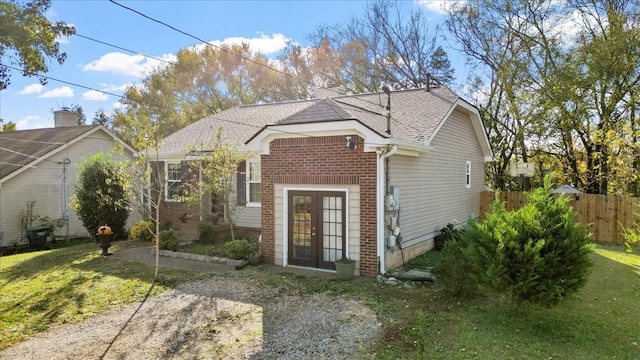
438 6
94 95
130 65
31 122
264 44
61 92
114 88
31 89
118 63
163 60
118 106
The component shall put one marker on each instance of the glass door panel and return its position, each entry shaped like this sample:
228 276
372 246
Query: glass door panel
316 228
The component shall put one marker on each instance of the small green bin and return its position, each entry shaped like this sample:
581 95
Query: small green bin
38 236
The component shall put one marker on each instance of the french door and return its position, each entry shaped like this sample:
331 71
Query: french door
317 228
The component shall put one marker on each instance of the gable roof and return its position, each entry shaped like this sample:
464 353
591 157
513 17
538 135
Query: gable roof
415 117
22 149
323 110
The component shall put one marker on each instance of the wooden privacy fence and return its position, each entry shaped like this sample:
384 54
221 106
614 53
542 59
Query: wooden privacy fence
604 213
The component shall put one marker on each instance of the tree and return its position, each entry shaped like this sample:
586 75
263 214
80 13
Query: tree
101 118
203 81
103 193
537 254
383 47
8 126
28 39
568 103
218 161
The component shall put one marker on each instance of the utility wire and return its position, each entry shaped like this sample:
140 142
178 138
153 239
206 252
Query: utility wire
125 49
217 47
221 48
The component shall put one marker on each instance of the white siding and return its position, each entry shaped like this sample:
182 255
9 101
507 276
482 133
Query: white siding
44 184
432 186
248 216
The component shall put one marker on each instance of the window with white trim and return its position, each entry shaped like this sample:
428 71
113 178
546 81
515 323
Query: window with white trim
254 188
173 181
468 174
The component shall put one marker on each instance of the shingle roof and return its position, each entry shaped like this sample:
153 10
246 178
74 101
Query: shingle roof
19 148
415 114
323 110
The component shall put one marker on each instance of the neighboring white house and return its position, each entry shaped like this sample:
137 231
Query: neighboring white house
373 177
38 173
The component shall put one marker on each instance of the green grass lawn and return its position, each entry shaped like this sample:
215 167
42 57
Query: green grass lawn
602 321
68 284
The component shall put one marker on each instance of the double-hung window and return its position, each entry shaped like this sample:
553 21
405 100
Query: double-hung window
173 181
254 188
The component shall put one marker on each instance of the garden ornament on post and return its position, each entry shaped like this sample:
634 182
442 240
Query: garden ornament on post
103 238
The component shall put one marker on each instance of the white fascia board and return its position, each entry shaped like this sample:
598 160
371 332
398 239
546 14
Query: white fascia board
410 149
260 143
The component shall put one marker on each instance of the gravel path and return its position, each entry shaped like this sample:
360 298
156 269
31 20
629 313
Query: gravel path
218 318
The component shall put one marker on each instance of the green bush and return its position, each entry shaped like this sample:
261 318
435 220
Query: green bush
453 270
205 233
103 193
142 231
537 254
168 240
240 249
631 234
447 233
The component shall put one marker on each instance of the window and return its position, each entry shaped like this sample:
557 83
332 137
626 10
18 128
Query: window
173 181
254 190
468 175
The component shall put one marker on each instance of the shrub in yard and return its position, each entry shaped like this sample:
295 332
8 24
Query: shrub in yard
537 254
240 249
631 234
168 240
103 193
454 270
447 233
205 233
142 231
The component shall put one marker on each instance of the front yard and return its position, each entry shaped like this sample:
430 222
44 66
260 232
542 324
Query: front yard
68 285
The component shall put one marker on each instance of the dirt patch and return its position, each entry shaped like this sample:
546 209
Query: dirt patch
218 318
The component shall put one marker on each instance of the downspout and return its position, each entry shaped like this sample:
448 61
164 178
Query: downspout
380 171
200 191
382 181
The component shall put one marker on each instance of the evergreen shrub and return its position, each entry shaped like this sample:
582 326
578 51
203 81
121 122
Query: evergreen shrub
537 254
168 240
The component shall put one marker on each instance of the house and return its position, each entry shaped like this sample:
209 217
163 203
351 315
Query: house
38 174
372 177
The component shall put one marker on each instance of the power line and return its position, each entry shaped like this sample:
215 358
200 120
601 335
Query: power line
232 53
125 49
221 48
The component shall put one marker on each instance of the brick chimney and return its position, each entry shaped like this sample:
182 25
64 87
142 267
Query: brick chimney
64 117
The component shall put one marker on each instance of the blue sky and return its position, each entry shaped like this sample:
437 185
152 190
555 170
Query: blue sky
266 25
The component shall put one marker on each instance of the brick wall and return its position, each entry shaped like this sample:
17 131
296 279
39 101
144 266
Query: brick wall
323 161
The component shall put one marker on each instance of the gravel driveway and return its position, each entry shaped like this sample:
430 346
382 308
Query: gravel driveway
224 317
